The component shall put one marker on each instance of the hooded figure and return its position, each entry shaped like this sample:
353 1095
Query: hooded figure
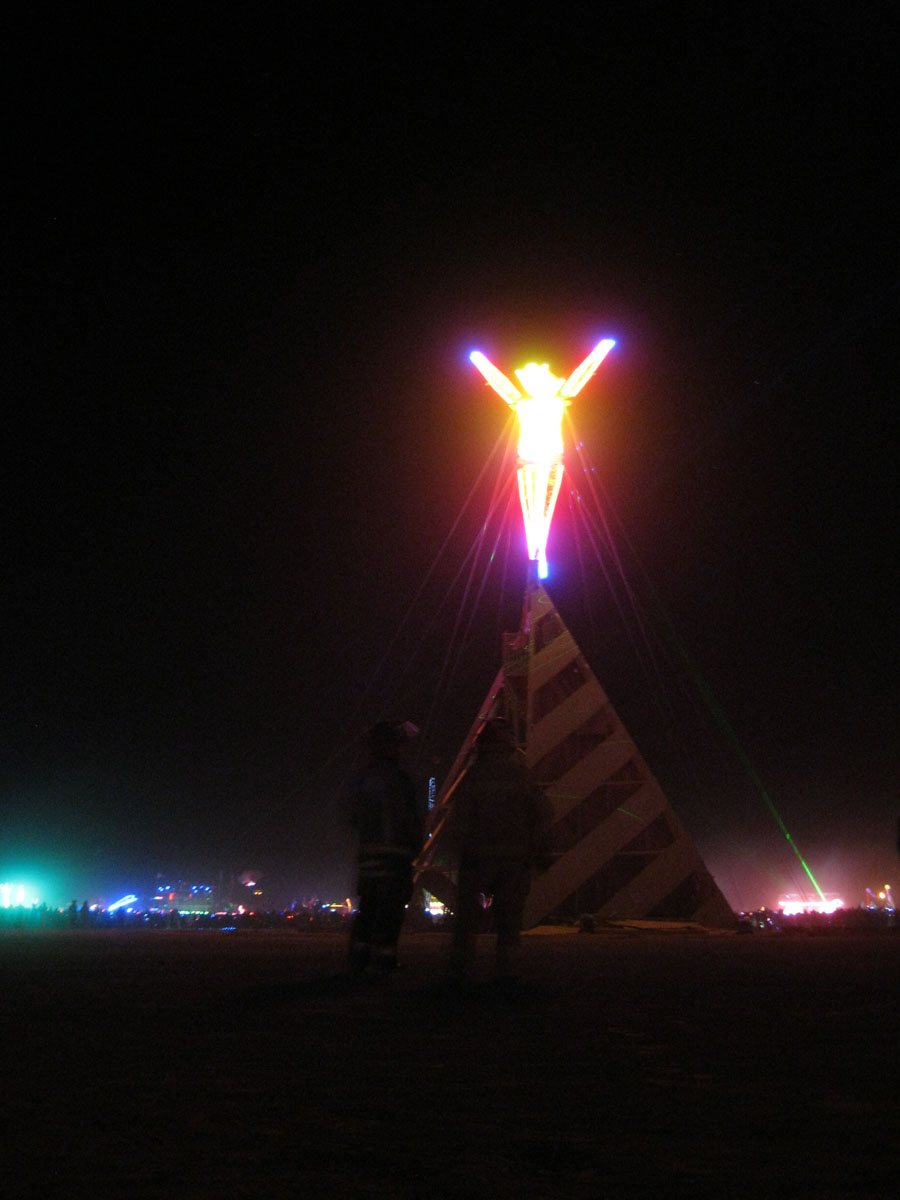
498 831
384 812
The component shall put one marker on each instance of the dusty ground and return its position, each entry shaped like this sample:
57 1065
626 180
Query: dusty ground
192 1065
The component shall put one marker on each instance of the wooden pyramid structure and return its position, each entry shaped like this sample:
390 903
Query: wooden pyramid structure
618 850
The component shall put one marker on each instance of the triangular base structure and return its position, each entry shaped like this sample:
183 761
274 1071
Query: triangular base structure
618 850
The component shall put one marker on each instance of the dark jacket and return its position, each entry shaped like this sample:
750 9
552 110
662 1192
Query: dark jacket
498 809
384 812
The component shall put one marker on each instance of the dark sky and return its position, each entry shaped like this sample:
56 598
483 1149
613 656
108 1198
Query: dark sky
247 256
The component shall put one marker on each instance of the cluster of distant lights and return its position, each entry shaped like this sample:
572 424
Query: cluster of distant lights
16 895
882 899
169 898
196 899
795 906
178 897
435 907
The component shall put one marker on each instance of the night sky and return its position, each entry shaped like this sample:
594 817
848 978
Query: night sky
247 460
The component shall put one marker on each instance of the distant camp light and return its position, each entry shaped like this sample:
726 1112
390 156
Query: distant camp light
16 895
540 413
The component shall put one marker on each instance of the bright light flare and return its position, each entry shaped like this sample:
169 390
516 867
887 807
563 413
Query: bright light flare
539 485
504 387
540 413
583 373
540 428
16 895
793 906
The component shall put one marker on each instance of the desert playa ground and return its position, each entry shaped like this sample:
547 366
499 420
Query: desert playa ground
637 1063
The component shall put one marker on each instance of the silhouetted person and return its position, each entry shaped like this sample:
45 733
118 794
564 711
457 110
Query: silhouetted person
384 811
497 829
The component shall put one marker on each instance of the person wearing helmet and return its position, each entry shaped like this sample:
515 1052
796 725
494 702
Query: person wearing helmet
385 814
498 829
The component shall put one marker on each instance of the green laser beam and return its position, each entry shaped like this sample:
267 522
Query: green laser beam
726 728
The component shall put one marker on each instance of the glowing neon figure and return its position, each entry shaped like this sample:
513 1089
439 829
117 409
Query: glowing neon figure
540 412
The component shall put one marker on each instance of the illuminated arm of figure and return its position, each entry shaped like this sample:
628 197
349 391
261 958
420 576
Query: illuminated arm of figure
504 387
582 373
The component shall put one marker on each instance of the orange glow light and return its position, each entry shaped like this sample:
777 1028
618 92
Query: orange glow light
540 413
